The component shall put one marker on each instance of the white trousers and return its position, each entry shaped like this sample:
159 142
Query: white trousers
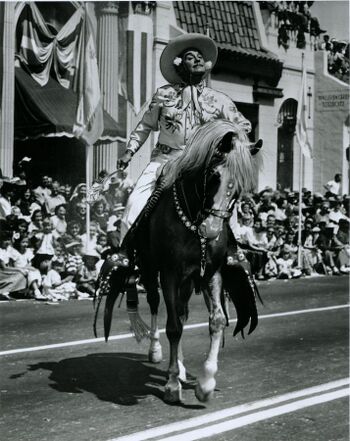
144 188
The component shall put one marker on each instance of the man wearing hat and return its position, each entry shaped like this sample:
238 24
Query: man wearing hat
176 110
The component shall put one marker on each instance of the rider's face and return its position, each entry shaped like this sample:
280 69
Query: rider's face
194 62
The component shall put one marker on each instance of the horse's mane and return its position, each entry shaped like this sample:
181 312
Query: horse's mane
200 149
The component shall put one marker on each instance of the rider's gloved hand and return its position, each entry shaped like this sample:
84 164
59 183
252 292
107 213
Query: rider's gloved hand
124 160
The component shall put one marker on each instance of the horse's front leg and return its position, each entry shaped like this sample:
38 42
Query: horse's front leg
150 282
155 353
174 327
217 321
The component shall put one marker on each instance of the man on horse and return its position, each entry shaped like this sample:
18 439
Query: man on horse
177 110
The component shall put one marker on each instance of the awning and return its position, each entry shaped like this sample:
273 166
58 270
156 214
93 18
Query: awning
49 111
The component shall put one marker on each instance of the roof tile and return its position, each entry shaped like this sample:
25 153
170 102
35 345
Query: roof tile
230 23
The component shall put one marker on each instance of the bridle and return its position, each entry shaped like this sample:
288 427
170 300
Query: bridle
193 225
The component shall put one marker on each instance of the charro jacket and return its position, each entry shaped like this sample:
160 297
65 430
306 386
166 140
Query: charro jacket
177 110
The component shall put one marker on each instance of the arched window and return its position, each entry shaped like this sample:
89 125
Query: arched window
287 118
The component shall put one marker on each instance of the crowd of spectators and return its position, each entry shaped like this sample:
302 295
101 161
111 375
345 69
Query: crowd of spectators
337 57
46 254
294 19
267 233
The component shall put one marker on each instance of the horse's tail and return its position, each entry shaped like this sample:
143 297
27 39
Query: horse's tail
243 292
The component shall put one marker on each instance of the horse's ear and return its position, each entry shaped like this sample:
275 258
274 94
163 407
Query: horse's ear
225 145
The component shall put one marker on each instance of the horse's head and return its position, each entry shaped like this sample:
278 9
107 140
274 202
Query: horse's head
215 168
228 173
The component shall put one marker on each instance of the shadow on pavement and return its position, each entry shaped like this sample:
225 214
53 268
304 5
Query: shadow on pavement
122 378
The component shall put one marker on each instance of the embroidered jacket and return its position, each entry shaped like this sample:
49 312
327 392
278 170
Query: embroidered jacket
177 110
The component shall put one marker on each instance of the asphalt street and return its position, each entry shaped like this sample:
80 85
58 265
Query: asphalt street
287 381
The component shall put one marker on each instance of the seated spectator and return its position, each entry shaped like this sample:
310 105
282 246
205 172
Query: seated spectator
5 201
42 191
74 261
46 243
36 224
255 241
22 257
286 269
21 229
324 243
59 222
100 215
78 197
54 287
90 243
87 277
72 233
80 216
101 244
27 203
290 245
13 279
280 233
322 214
54 199
335 215
341 243
309 249
270 239
333 187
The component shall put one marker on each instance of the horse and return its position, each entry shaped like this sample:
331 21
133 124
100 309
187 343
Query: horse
183 243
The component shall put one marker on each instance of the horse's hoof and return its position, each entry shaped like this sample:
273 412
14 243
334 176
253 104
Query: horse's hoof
155 354
172 396
203 396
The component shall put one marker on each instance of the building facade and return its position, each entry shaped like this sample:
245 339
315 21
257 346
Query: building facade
255 68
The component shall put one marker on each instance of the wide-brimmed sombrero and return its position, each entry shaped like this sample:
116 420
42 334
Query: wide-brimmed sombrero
175 48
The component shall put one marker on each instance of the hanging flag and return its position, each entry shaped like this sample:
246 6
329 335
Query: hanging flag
301 127
89 119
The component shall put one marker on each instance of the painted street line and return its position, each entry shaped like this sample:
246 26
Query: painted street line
162 331
235 423
212 418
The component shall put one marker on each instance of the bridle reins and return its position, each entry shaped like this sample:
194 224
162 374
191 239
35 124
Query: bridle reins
185 215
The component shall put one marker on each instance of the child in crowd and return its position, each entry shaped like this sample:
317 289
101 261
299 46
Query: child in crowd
72 233
22 257
74 261
54 288
88 274
47 242
285 265
101 244
100 216
92 240
21 229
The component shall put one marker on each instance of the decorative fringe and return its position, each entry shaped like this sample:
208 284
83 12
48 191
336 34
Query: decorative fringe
97 304
138 327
